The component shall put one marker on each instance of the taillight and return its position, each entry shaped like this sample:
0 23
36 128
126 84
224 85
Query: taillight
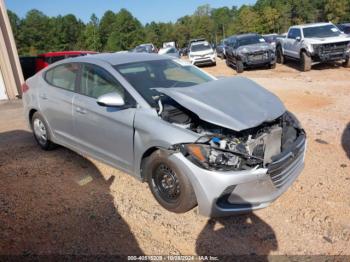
25 87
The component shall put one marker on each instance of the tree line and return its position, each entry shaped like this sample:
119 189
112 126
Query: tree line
115 31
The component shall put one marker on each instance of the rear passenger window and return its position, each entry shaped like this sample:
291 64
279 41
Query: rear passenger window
63 76
96 82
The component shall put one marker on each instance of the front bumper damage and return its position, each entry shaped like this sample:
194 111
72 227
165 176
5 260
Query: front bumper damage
223 193
331 52
259 58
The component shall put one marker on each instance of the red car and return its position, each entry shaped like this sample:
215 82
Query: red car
46 59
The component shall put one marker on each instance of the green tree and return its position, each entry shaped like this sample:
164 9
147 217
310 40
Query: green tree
221 18
33 33
106 26
91 38
64 32
269 20
247 21
127 32
337 10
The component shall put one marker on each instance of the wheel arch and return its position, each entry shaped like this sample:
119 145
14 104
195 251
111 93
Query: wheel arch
30 115
304 50
144 158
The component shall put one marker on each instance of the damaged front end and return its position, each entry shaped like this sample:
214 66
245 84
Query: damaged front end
222 149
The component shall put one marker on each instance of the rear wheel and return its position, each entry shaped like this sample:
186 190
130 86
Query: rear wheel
280 56
41 132
170 187
347 63
305 62
239 66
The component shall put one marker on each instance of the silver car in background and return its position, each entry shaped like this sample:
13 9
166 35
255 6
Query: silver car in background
226 145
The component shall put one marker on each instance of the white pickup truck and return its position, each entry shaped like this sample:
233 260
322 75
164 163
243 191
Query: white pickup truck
314 43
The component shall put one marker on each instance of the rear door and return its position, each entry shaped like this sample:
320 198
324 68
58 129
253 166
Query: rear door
104 132
55 96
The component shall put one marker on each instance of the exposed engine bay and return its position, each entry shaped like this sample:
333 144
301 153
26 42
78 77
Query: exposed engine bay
224 149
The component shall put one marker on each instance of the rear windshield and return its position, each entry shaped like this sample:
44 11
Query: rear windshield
250 40
321 31
144 76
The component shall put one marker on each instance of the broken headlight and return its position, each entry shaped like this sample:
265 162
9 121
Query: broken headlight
210 157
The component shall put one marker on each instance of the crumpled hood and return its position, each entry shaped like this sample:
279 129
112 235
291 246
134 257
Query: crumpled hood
236 103
254 48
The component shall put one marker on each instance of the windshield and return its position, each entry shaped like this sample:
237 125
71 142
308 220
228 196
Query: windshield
200 47
250 40
321 31
144 76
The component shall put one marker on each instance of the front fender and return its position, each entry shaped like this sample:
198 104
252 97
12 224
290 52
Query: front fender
153 132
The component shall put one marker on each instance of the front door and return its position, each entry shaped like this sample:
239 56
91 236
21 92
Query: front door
104 132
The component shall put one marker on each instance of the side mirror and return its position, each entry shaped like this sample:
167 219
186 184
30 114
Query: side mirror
111 100
298 38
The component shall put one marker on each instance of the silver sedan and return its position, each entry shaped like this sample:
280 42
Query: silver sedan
226 145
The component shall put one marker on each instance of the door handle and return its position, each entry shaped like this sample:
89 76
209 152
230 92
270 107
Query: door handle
43 96
80 110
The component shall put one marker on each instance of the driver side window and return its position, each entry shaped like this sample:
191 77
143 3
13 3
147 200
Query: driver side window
96 81
294 33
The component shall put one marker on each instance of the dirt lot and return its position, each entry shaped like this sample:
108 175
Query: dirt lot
59 202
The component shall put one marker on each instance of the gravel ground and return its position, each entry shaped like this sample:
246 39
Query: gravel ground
59 202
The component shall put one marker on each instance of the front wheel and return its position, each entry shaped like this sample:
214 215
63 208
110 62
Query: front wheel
239 66
305 62
347 63
170 187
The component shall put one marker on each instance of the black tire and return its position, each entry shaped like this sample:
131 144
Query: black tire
347 63
272 66
227 62
45 144
239 66
279 54
305 62
180 198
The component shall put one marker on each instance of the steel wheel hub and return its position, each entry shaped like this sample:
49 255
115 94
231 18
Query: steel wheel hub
167 183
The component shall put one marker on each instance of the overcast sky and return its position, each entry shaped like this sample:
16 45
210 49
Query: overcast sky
144 10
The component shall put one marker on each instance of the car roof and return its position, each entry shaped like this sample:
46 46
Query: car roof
119 58
243 35
311 25
246 35
61 53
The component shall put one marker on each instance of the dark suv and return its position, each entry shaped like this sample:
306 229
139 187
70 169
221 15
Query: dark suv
249 50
